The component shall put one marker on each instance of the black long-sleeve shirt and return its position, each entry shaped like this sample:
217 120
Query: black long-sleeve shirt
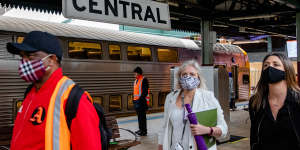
145 87
284 133
278 134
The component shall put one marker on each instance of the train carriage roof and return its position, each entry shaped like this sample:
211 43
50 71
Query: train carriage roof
227 48
224 48
66 30
20 25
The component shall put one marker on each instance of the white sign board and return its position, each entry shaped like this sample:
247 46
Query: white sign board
292 48
142 13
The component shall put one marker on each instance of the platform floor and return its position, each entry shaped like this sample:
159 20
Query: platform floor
239 126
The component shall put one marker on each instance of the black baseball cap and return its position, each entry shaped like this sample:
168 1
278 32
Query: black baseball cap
37 41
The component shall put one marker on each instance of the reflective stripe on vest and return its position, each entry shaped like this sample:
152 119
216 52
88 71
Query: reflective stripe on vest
137 89
57 134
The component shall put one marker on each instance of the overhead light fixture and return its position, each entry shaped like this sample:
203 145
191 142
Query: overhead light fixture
254 38
287 3
220 25
242 29
251 17
260 33
173 4
174 18
249 42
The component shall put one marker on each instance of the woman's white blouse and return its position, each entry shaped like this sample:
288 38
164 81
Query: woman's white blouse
203 100
177 123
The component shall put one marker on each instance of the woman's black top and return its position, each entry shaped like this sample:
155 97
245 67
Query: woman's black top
278 134
282 134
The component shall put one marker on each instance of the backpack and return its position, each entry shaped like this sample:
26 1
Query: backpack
71 110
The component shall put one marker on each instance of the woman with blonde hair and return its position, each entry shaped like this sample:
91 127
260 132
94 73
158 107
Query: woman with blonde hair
177 132
275 107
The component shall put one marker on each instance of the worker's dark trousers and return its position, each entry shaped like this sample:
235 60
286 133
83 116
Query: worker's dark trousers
142 120
232 103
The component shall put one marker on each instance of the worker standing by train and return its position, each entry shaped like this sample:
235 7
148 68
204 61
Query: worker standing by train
141 100
41 121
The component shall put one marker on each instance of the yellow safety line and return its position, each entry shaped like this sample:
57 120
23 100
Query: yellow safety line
243 139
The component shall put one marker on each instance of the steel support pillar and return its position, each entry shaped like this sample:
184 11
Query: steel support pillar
207 42
269 44
298 45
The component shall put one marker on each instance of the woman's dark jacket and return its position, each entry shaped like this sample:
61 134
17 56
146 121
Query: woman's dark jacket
256 118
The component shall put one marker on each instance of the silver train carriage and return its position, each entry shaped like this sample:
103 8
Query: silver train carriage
99 60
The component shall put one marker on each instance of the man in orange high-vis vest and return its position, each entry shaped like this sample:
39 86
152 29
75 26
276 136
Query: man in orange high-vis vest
41 120
141 100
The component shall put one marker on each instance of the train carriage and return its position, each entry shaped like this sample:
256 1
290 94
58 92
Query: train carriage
102 62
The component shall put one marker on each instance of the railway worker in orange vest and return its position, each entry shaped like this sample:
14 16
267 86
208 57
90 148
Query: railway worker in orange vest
141 100
40 122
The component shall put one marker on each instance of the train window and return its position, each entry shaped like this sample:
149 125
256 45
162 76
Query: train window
220 66
98 100
167 55
85 50
17 106
20 39
114 52
139 53
129 102
115 103
245 79
150 100
161 98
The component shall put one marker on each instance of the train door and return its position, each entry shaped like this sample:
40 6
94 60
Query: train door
234 71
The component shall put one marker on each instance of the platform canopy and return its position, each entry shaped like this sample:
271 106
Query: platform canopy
229 17
237 17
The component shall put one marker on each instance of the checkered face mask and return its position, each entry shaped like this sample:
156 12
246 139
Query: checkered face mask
189 83
32 71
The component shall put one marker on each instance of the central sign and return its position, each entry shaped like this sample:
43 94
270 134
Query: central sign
140 13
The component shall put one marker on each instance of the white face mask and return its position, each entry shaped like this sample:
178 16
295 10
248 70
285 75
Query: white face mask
44 59
189 83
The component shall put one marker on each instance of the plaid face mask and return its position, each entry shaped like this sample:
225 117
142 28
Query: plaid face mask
32 71
189 83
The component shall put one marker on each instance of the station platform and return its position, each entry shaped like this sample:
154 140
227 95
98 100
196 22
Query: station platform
239 129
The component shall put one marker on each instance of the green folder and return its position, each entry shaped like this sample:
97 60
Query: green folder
208 118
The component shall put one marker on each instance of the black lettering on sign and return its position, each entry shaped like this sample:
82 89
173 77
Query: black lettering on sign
149 14
124 3
114 9
136 9
75 5
158 17
91 7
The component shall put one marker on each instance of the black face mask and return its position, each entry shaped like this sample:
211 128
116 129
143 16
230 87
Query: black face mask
273 75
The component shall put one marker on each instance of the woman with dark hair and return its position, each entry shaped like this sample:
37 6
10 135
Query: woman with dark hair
275 107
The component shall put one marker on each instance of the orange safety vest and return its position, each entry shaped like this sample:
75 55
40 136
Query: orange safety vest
57 133
137 91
